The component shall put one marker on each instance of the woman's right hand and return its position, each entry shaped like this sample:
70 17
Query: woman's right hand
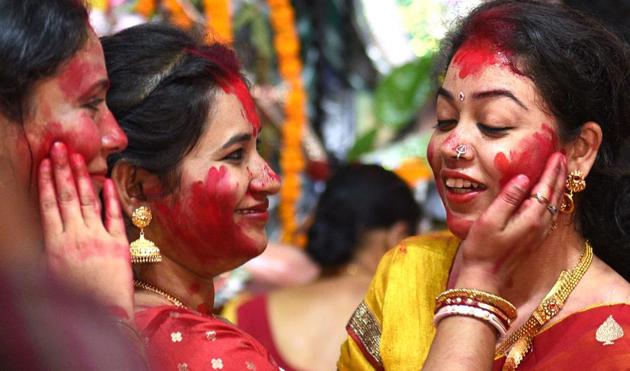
81 249
512 227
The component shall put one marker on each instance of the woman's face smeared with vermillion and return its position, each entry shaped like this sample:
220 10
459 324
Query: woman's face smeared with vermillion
70 107
215 219
500 121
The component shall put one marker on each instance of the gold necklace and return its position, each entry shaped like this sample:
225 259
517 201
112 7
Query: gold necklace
143 285
519 343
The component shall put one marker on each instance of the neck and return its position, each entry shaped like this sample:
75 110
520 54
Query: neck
540 270
194 291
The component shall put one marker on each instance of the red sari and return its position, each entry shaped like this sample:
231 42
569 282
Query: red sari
184 340
586 340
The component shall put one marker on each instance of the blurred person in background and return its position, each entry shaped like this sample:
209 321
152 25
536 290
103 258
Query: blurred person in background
363 212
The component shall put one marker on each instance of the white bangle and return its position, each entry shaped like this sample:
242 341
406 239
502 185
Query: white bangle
465 310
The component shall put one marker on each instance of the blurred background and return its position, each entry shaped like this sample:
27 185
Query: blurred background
335 82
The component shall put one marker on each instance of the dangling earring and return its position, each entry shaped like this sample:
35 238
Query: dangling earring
143 250
575 184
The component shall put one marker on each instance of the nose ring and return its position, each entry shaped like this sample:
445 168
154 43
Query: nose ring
460 150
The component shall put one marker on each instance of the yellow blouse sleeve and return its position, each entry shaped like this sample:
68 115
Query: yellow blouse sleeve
392 328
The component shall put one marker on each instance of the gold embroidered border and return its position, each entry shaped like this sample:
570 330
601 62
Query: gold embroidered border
367 332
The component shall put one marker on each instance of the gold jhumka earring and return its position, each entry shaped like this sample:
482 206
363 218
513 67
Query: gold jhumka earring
143 250
575 184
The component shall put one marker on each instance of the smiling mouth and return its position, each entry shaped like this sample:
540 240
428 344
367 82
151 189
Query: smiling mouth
459 185
256 209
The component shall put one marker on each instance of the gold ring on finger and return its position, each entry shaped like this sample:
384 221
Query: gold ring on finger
540 198
552 209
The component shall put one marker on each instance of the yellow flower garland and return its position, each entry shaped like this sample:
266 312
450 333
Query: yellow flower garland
218 17
287 45
145 7
177 15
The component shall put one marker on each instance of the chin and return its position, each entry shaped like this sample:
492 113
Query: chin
458 225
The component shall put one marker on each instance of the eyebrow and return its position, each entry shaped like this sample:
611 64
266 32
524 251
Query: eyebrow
238 138
484 95
97 86
498 93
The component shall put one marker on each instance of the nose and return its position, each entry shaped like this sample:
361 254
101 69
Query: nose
264 179
457 146
113 138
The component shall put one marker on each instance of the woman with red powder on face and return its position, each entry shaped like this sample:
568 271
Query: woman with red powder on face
532 115
192 160
55 135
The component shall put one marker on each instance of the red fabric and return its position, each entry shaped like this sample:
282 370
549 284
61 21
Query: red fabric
252 317
184 340
552 352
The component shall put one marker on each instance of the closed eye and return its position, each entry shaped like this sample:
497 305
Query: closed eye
493 131
93 104
235 156
445 125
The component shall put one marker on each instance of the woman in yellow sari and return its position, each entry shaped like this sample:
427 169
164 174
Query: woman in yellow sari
532 116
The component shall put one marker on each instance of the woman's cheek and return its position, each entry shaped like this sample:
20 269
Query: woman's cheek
81 137
201 219
529 156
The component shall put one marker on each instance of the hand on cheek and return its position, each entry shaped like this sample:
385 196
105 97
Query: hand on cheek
512 227
80 249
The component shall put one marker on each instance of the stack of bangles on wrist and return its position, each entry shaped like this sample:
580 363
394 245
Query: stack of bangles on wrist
494 310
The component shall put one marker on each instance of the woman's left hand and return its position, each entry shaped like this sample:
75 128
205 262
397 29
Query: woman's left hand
512 227
81 249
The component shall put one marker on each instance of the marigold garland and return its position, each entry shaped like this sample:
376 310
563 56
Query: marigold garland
145 7
287 45
217 14
177 15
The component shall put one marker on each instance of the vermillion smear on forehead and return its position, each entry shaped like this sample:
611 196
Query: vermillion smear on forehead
478 53
82 70
236 86
201 220
530 156
487 35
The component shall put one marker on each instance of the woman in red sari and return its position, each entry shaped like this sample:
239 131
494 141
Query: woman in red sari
532 121
192 161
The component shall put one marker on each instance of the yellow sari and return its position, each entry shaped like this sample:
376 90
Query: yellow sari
392 328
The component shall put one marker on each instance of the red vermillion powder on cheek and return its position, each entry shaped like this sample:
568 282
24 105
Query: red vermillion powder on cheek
530 157
202 221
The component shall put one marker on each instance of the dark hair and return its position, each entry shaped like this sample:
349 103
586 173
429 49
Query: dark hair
36 38
163 84
582 72
357 198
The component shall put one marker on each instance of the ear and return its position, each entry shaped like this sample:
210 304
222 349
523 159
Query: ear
132 183
582 152
396 233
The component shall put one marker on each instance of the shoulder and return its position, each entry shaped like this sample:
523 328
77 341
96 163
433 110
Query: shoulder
179 336
419 251
597 338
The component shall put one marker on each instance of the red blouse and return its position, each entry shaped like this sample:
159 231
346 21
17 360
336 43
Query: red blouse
185 340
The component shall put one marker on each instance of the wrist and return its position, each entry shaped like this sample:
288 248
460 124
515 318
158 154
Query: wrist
479 278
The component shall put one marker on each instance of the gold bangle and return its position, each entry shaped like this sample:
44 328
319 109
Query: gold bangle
480 296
